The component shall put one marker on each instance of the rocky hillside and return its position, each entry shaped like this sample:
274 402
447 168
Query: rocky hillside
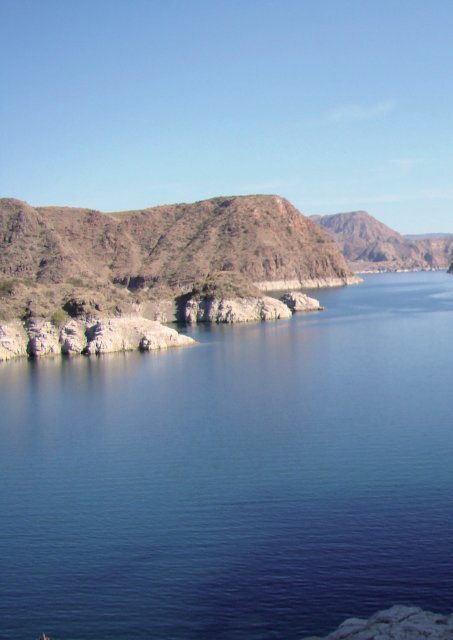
369 245
49 255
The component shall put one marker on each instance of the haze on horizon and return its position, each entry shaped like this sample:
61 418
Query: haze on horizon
337 106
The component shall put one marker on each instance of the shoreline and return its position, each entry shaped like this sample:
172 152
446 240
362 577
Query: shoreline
39 336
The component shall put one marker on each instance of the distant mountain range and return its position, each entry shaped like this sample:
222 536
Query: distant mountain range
369 245
428 236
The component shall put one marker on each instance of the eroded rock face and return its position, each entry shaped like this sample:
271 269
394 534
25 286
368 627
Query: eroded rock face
396 623
221 310
73 338
39 337
163 338
298 301
13 340
129 333
43 338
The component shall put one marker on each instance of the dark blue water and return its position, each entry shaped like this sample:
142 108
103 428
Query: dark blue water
266 484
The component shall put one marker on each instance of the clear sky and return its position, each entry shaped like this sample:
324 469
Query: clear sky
337 105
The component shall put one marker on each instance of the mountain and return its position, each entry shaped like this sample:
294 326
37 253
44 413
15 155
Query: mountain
51 253
369 245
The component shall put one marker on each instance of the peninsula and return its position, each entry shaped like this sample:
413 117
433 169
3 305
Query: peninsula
68 276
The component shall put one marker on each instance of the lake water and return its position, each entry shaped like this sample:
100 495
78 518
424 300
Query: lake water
268 483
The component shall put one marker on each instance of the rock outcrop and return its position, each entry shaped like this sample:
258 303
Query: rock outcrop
369 245
396 623
73 338
43 338
13 340
38 337
247 309
228 297
298 301
126 334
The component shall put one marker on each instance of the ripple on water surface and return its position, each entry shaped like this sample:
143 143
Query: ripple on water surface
267 484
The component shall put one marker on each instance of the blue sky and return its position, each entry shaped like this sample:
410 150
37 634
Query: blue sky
337 105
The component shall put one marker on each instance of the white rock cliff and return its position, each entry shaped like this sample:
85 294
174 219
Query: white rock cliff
222 310
39 337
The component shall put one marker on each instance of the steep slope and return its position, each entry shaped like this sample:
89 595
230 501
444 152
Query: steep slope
369 245
437 249
58 252
262 237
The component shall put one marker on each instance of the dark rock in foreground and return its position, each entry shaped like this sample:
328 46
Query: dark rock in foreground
396 623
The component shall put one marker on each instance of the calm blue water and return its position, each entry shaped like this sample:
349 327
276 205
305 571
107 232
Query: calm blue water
266 484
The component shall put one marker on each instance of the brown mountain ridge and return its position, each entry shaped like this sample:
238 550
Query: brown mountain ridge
51 254
370 245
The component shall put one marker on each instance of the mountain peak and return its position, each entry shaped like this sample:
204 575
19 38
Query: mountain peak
368 244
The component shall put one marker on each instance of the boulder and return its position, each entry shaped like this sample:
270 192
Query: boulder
162 338
298 301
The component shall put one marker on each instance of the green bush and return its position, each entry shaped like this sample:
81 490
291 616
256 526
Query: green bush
59 317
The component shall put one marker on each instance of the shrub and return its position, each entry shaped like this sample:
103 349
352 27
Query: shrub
58 317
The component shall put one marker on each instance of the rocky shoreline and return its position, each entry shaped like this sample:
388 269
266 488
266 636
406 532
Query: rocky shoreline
88 335
308 283
224 310
397 623
39 337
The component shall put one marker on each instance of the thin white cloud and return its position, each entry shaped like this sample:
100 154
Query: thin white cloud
406 164
355 112
421 194
437 194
